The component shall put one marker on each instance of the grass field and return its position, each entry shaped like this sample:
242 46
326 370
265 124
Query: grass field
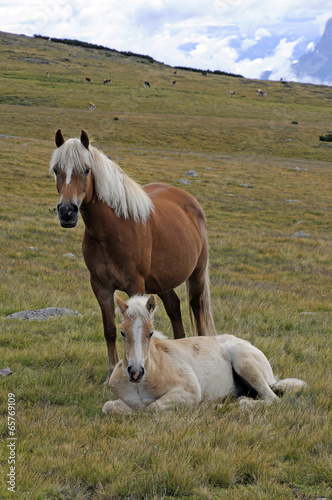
265 184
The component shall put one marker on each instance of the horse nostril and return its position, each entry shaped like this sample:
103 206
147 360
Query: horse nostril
135 375
67 209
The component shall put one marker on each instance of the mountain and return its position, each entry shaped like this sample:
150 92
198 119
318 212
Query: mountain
318 63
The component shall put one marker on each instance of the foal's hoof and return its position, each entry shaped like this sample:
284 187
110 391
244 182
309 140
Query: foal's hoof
108 407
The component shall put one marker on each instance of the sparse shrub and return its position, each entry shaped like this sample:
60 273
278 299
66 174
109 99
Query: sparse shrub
326 138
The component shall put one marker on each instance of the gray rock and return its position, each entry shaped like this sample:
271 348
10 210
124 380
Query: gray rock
186 182
192 173
5 371
301 234
43 314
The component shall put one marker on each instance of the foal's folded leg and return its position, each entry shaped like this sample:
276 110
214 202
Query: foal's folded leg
176 395
258 373
117 406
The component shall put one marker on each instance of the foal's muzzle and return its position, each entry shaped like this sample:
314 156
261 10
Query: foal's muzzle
68 214
135 374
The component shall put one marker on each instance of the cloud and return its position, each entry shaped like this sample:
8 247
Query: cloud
278 64
261 33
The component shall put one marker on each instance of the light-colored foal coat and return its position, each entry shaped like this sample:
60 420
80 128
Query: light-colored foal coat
192 369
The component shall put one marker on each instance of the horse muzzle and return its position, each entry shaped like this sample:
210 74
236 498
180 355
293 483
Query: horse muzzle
135 374
68 214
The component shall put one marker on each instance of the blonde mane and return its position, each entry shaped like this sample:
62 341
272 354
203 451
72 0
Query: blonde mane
137 307
112 185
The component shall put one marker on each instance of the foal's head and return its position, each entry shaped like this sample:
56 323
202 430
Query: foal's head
71 164
136 330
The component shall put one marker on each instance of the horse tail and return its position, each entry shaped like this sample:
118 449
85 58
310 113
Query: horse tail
288 384
205 303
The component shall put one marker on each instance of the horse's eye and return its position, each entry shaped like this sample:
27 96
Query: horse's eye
87 171
123 334
150 335
55 170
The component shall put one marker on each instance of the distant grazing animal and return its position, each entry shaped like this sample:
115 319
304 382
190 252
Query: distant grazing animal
157 372
107 81
175 72
137 239
88 79
92 106
174 82
146 84
231 93
47 74
261 92
204 73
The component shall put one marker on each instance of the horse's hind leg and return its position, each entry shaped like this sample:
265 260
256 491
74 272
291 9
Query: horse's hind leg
172 306
251 364
198 294
195 288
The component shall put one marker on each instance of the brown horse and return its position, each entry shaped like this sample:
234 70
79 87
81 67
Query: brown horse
137 239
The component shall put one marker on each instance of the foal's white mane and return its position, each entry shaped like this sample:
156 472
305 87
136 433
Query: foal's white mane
112 185
137 307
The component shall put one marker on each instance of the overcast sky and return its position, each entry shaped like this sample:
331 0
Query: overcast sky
244 37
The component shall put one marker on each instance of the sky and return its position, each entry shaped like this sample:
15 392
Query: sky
246 37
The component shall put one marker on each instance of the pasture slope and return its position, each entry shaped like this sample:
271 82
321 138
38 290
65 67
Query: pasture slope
264 180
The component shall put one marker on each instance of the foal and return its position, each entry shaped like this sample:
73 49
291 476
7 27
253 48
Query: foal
157 373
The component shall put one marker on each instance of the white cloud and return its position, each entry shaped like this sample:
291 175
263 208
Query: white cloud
279 64
261 33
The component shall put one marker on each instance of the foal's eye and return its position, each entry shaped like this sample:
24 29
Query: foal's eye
123 334
55 170
150 335
87 171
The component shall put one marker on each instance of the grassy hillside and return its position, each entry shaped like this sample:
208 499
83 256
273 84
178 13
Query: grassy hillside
265 185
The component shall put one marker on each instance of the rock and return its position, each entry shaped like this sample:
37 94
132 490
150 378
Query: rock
301 234
5 371
43 314
185 181
192 173
70 255
247 186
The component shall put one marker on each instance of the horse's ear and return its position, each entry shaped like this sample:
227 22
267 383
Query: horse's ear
59 139
151 304
85 139
121 304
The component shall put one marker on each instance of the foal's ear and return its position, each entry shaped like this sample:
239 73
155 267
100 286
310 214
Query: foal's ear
85 139
59 139
121 304
151 304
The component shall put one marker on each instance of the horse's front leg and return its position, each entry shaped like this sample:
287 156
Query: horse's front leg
106 303
117 406
176 395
